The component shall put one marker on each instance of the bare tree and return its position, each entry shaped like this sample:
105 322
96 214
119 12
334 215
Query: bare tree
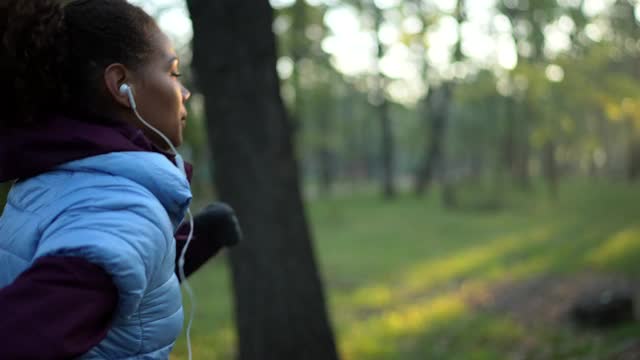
280 307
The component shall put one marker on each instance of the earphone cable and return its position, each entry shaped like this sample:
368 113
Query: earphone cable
184 281
181 261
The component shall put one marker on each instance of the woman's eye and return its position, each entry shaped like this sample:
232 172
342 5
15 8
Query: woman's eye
176 74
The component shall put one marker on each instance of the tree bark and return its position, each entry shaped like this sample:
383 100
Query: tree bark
387 152
388 173
523 148
325 153
354 170
633 171
297 53
550 167
634 160
370 148
509 145
280 308
436 114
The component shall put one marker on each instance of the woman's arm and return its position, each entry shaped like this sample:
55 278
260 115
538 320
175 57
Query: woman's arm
59 308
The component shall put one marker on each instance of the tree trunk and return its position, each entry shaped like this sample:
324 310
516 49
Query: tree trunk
387 145
369 146
509 145
326 171
388 176
436 114
353 167
634 159
449 195
297 53
633 162
521 165
503 108
325 154
280 308
550 167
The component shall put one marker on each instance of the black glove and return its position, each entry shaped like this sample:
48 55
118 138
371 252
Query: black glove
215 227
218 222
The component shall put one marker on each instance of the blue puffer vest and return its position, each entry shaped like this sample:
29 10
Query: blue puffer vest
117 210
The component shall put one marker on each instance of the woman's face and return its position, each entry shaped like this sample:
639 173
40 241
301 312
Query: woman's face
160 96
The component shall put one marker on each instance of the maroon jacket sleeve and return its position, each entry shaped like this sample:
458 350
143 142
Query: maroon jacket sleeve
59 308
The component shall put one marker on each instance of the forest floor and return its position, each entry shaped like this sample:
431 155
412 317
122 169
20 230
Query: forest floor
407 279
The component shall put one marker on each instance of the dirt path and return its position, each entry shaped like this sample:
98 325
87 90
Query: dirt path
547 300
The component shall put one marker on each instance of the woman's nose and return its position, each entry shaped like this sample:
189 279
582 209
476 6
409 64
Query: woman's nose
186 94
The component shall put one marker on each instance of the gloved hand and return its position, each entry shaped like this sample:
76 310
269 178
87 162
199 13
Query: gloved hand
218 222
215 227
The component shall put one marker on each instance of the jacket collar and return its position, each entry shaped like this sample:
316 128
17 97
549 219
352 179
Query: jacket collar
58 139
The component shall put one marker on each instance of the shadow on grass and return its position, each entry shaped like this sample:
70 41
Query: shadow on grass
386 319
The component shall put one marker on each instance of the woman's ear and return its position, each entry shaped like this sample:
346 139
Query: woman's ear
114 76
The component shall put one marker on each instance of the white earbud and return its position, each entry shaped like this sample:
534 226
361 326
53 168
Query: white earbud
125 89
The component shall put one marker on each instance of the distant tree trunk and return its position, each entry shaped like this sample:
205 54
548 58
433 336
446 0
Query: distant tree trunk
326 171
437 111
550 167
449 197
634 160
502 110
634 153
509 144
350 140
605 133
297 52
369 146
280 308
324 153
436 115
356 143
633 28
388 176
521 164
387 146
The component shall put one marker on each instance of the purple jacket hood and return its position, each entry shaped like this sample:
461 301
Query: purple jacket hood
29 151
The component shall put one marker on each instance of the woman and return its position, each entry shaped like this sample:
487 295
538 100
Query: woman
87 260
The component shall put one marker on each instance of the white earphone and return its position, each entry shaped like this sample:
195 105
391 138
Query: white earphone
125 89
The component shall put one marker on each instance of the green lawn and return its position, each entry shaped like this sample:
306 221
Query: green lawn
405 277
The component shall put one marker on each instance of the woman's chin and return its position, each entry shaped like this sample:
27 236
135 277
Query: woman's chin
178 141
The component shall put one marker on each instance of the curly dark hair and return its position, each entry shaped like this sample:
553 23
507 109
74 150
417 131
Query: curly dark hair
53 53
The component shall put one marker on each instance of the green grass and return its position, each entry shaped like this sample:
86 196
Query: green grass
399 274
